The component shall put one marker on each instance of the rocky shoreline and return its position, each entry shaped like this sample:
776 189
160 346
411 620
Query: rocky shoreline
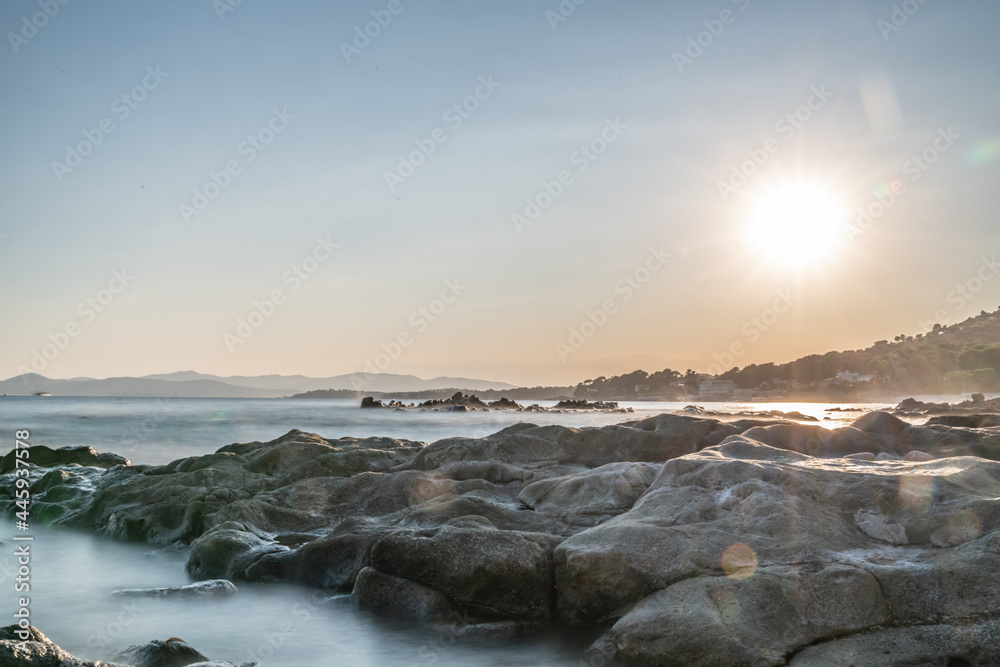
471 403
673 540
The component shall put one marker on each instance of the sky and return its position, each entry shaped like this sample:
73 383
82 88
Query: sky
530 192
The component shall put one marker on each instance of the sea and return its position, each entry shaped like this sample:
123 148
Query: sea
73 573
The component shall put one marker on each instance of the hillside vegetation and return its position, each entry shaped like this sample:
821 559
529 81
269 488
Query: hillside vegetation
960 358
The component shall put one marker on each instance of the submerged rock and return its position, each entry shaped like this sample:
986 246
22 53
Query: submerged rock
173 652
216 588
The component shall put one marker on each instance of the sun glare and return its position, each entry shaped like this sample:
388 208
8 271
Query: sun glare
795 224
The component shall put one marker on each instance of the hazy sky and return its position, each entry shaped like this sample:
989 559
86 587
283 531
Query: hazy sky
217 154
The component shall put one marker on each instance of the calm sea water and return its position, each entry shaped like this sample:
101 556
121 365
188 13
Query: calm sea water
159 430
73 572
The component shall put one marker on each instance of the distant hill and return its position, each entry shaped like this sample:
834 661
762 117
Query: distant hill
387 382
956 359
32 383
189 384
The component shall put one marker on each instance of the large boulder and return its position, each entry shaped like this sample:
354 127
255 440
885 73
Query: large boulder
938 439
758 552
228 551
591 496
46 457
495 574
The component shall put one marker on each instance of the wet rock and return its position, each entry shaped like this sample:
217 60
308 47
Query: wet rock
965 421
43 456
596 494
38 651
753 621
493 573
172 652
403 598
228 551
213 589
656 439
743 553
964 645
757 540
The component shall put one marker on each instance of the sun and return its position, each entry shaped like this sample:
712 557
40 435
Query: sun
798 224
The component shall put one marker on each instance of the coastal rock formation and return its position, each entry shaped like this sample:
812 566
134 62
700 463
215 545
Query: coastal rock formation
678 539
43 456
211 589
38 651
460 402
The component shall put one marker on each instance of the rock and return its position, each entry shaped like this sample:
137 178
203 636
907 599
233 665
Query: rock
752 621
962 645
43 456
228 551
395 596
332 562
877 526
583 404
595 494
656 439
38 651
495 574
371 402
744 554
216 588
965 421
186 498
173 652
759 541
816 440
894 435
